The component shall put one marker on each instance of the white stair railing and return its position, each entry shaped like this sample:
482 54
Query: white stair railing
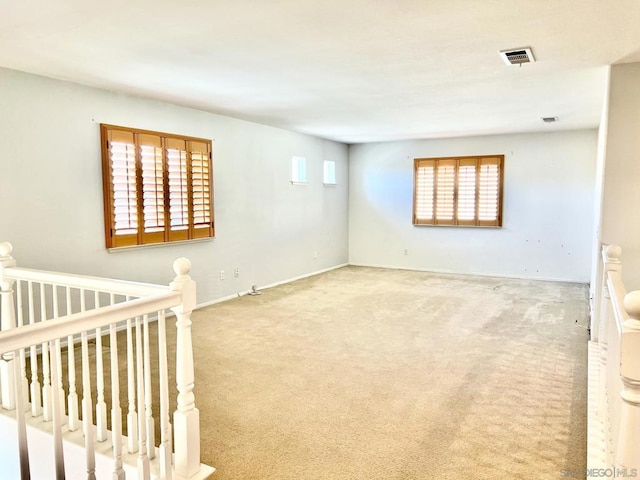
54 308
618 379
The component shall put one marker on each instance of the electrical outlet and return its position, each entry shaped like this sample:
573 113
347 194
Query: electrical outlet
221 274
236 272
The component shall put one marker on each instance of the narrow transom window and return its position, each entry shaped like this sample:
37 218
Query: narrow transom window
157 187
464 191
329 172
298 170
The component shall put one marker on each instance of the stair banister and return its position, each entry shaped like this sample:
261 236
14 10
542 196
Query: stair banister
60 321
618 384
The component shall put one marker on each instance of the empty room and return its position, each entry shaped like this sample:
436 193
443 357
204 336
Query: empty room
320 240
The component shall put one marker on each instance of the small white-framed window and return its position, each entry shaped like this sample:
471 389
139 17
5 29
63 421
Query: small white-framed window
329 172
298 170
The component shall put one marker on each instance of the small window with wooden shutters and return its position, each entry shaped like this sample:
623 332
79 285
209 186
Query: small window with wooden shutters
462 191
157 187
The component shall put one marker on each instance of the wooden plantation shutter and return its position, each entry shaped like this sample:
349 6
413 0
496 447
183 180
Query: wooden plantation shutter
424 188
178 189
490 192
120 168
463 191
445 192
152 167
157 187
200 153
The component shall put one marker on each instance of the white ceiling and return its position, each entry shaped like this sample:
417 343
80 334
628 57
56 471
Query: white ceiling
349 70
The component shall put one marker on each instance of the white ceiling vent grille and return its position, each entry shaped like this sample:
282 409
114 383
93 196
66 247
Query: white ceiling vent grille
517 56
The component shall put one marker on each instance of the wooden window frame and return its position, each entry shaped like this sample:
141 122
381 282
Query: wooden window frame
162 210
426 197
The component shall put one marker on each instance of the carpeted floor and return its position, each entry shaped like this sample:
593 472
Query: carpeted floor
364 373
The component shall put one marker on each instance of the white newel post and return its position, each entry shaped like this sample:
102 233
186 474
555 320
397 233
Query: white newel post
7 370
611 255
9 364
628 453
186 418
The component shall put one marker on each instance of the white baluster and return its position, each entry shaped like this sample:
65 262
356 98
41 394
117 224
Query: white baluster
611 421
36 392
186 419
21 425
57 407
101 406
87 411
83 308
72 399
46 369
23 360
47 392
83 301
143 458
132 417
148 393
116 411
628 453
7 367
56 381
165 448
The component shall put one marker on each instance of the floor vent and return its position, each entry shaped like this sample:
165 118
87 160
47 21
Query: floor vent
517 56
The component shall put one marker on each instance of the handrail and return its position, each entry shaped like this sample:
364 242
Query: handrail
118 287
23 337
618 292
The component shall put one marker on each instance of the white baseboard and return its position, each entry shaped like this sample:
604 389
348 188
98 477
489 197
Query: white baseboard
394 267
270 285
475 274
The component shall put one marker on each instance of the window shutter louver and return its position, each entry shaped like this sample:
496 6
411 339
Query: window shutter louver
445 192
152 188
123 206
157 188
425 189
201 189
489 192
466 208
178 191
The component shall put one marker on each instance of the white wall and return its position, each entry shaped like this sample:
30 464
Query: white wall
547 214
51 190
621 198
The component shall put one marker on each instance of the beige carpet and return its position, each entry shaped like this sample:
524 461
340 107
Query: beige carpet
365 373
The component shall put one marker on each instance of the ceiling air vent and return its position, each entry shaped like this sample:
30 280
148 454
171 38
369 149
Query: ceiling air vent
517 56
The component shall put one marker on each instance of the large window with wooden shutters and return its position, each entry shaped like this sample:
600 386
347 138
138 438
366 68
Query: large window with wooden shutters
157 187
463 191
